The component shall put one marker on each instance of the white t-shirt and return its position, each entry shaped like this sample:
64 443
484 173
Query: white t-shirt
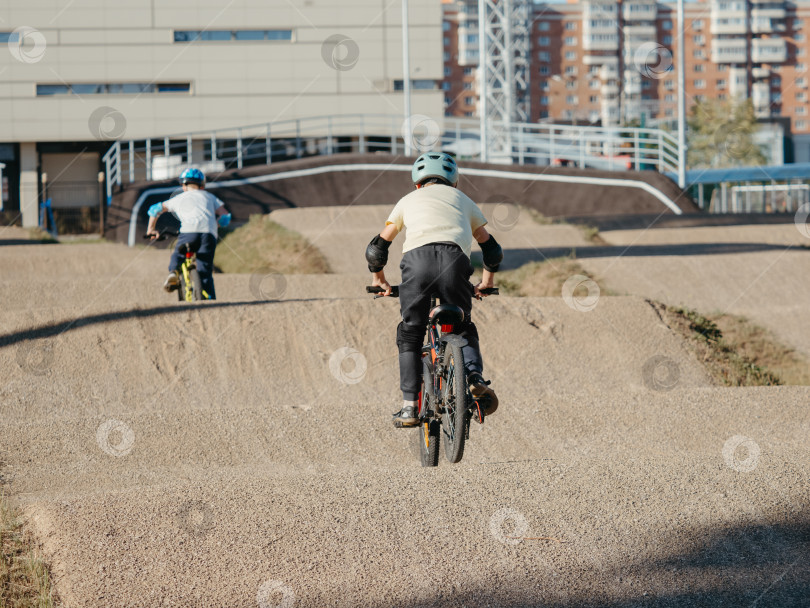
437 214
196 210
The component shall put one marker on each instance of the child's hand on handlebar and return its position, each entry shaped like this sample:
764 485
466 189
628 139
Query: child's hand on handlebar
152 234
481 286
381 282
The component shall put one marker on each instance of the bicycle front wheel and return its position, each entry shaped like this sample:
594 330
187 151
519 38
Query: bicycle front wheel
183 288
454 400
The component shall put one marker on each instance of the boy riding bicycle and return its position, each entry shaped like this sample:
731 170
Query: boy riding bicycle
199 213
441 223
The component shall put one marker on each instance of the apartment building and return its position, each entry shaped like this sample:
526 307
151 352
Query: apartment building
614 61
77 76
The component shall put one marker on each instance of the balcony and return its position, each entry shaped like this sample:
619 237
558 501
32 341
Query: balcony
761 99
729 50
729 25
766 25
599 59
600 42
760 73
609 72
609 90
738 82
769 50
647 32
639 10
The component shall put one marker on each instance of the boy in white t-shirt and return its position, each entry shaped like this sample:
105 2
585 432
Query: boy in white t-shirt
441 223
199 213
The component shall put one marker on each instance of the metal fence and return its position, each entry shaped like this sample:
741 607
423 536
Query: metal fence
611 148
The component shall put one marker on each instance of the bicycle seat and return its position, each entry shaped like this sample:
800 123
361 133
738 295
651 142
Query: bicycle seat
186 248
446 314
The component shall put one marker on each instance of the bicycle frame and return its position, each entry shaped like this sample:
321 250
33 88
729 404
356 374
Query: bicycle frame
189 264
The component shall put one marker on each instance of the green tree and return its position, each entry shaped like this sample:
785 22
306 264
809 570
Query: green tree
721 134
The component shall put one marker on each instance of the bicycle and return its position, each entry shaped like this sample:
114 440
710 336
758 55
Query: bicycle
190 289
445 403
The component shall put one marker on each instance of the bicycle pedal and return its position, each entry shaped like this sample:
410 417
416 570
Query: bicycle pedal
478 413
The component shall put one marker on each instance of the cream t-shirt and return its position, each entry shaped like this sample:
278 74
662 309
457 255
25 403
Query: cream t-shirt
436 214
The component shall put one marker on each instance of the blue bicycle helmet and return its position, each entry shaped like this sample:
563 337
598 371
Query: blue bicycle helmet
435 164
192 176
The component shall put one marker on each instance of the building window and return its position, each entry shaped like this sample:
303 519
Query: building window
570 26
570 55
468 101
445 86
666 40
571 100
228 35
800 51
700 84
468 114
669 85
800 67
801 96
797 24
446 26
776 81
697 67
468 86
126 88
544 70
801 124
669 113
446 70
446 41
571 84
697 25
698 54
468 71
594 84
446 56
472 38
544 26
722 67
544 41
799 37
721 83
544 100
699 39
544 56
700 98
571 40
666 24
544 86
593 99
801 110
669 97
572 70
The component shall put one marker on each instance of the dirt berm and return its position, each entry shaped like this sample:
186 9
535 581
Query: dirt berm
383 185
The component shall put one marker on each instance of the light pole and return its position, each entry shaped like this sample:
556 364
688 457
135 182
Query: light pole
681 100
406 77
482 73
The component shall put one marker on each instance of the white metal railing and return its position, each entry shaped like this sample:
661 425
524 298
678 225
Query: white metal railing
609 148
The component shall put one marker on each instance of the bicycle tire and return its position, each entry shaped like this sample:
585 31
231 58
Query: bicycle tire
196 284
429 435
454 401
181 290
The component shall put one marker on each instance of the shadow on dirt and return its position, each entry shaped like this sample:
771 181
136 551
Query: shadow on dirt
54 329
750 566
514 258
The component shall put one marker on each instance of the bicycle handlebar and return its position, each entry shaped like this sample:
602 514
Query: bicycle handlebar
162 235
489 291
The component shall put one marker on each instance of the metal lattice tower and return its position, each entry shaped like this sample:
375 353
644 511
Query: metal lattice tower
507 32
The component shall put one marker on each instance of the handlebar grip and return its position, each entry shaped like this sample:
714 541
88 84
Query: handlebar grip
378 290
490 291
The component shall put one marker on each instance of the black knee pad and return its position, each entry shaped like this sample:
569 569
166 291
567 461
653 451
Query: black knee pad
410 337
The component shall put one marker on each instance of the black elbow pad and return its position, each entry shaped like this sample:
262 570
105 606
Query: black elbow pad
377 253
492 254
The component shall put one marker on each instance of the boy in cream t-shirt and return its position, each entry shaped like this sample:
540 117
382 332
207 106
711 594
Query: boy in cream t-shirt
440 223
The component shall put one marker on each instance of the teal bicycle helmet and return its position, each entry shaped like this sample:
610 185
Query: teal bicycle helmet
192 176
435 164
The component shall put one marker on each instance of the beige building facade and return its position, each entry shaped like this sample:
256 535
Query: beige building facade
77 77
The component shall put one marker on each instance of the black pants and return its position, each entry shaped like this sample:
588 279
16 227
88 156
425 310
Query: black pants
437 269
204 245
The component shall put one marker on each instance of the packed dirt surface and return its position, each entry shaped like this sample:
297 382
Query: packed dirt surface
240 452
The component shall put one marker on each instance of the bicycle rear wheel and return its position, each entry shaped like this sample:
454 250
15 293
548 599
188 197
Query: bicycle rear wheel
181 290
196 284
427 439
454 400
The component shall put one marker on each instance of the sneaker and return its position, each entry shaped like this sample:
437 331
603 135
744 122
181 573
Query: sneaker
172 282
480 391
406 417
